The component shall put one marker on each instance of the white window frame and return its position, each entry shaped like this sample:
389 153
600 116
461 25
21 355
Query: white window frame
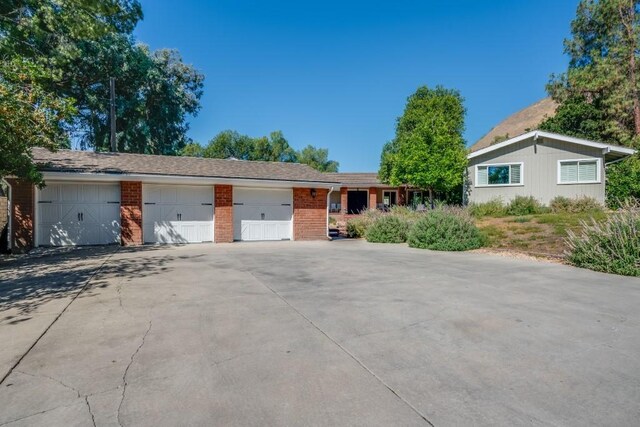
521 184
591 159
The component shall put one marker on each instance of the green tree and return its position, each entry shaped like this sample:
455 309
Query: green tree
192 149
155 91
317 158
428 151
229 144
29 117
602 72
36 38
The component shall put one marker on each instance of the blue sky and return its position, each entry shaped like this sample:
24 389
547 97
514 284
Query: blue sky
336 74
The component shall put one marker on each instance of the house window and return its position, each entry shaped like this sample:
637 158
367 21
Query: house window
578 171
499 174
389 198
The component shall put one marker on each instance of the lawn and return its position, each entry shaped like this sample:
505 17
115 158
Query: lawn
538 235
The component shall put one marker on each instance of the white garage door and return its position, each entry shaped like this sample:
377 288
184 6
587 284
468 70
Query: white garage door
177 214
262 214
78 214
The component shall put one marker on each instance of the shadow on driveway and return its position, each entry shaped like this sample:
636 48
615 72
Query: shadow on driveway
31 280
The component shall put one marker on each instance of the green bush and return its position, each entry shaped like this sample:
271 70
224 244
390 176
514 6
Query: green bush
610 246
524 205
494 208
445 230
623 182
356 227
388 229
562 204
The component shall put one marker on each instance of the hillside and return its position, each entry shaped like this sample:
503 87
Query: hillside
526 119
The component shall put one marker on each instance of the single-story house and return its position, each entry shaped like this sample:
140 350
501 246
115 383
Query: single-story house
130 199
543 165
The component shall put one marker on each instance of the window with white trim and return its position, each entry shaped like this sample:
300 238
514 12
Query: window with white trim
578 171
502 174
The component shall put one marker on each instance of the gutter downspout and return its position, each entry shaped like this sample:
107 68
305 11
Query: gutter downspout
328 202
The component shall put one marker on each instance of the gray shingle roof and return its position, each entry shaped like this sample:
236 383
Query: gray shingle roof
145 164
360 179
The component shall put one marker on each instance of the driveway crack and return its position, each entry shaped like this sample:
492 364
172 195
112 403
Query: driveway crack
126 371
345 350
93 419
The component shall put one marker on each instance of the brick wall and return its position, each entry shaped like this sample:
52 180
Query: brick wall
131 212
223 214
4 222
309 214
343 199
373 198
22 214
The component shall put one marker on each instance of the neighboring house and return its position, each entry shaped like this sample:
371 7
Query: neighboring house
543 165
131 199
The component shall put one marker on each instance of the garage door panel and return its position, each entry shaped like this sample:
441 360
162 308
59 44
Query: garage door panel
78 214
262 214
178 214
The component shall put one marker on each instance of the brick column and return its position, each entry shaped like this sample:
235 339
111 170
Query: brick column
343 199
22 214
131 213
223 214
373 198
309 214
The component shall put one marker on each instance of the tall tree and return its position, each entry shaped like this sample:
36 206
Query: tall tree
318 158
603 73
428 151
36 38
155 91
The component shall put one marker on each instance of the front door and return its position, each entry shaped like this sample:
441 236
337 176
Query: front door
356 201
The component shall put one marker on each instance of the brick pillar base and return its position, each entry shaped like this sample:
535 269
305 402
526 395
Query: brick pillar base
22 215
131 212
309 214
223 214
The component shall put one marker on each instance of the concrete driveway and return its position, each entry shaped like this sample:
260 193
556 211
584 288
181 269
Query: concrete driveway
324 333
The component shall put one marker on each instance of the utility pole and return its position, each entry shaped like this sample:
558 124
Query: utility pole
112 116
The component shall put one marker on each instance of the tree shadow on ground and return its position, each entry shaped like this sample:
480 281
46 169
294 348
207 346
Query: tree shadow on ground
28 281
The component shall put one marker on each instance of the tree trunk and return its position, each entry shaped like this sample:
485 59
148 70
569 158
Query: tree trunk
628 20
431 198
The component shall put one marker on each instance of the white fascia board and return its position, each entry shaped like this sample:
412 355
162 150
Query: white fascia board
184 180
549 135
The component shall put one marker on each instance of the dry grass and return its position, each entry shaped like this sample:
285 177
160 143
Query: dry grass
540 235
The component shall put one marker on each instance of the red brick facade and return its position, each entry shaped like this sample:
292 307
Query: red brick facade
373 198
309 214
223 214
344 191
131 212
22 214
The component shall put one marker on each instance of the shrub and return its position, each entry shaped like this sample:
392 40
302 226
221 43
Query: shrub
388 229
333 220
562 204
494 207
623 182
524 205
357 226
610 246
445 230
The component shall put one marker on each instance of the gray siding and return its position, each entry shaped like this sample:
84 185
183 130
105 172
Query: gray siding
539 171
